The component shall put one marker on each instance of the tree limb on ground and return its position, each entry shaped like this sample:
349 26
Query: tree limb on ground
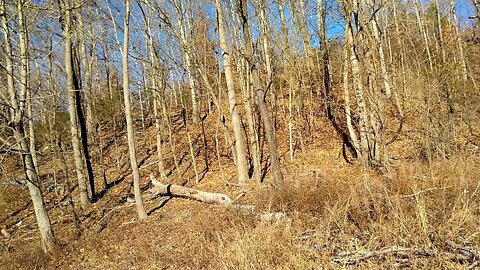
186 192
354 257
212 198
470 253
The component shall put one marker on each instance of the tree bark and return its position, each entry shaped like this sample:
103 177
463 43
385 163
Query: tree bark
188 65
440 31
82 125
17 109
87 80
476 3
423 32
128 115
72 108
348 112
260 94
358 86
24 83
463 64
186 192
381 54
242 176
155 94
266 51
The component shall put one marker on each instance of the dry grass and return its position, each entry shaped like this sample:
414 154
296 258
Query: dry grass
338 208
422 208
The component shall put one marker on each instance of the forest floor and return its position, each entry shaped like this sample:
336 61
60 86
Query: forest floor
422 215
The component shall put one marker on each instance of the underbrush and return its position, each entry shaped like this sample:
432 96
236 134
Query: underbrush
422 206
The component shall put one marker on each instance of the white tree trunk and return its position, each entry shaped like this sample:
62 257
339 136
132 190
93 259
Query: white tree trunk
423 32
358 86
381 54
18 110
186 192
463 64
188 68
128 115
156 98
242 176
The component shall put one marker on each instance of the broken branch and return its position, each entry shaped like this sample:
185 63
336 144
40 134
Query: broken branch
186 192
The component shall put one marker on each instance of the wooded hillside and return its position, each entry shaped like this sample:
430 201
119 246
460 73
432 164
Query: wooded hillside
268 134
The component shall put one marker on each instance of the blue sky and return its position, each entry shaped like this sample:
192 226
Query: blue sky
464 9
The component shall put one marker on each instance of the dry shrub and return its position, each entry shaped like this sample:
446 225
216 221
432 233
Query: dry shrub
263 247
423 207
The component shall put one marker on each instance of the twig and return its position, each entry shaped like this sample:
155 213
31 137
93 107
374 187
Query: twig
473 265
104 220
473 254
425 190
242 193
148 165
129 222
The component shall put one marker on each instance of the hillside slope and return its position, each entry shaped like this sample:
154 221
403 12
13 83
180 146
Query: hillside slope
333 208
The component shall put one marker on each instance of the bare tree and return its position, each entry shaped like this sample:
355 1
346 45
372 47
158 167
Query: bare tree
128 115
423 31
157 91
236 122
260 93
17 112
72 104
462 62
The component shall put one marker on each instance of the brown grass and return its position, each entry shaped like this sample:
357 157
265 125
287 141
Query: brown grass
353 212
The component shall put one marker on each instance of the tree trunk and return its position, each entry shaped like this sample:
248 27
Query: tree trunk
307 50
128 115
349 139
82 126
84 86
440 31
87 80
346 96
283 21
249 110
381 54
423 32
156 96
242 176
18 110
186 192
266 52
402 50
260 94
188 66
24 84
358 86
477 8
31 128
244 74
72 109
463 65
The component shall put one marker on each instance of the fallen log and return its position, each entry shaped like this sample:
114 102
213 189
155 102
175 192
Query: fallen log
186 192
213 198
